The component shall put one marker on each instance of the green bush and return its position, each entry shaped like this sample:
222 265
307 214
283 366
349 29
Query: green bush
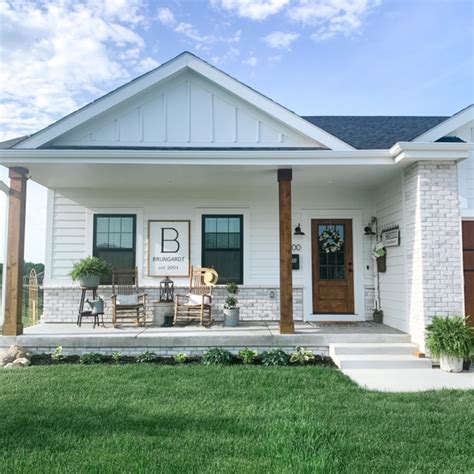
57 355
180 358
117 357
146 357
275 357
247 355
451 336
90 266
232 290
90 358
217 355
301 356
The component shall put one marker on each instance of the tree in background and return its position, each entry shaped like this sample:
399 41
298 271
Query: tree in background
39 267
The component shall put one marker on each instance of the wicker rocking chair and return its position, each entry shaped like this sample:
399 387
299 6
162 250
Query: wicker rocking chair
127 301
196 305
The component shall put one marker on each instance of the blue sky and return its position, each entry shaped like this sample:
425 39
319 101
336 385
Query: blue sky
316 57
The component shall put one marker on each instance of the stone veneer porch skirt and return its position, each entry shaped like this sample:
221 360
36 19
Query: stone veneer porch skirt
194 339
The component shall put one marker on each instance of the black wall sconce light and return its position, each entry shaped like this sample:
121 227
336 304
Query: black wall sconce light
369 229
298 230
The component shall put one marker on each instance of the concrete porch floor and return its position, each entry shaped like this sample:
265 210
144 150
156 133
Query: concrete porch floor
258 334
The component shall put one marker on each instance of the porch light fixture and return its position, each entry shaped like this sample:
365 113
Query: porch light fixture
369 229
167 290
298 230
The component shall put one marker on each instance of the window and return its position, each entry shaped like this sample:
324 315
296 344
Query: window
222 246
332 264
114 239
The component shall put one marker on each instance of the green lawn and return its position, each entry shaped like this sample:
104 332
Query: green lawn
155 418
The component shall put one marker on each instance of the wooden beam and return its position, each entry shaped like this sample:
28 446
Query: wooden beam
286 277
12 325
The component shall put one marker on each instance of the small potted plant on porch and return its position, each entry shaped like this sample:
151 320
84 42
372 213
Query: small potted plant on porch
451 340
377 315
231 311
89 272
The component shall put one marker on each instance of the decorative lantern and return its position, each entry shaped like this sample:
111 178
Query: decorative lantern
166 290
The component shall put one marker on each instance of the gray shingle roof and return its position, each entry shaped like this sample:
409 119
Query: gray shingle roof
374 132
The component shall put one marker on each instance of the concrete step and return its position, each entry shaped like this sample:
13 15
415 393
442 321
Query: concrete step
381 361
405 348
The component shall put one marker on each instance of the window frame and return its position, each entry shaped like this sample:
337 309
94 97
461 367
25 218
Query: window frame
241 249
134 234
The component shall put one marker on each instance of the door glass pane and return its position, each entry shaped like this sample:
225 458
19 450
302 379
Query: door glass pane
331 255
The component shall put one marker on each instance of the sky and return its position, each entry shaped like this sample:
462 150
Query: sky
315 57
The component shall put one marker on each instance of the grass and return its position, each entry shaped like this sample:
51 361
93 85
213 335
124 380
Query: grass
187 419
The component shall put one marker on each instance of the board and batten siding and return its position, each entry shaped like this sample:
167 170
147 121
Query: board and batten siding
392 283
466 172
70 223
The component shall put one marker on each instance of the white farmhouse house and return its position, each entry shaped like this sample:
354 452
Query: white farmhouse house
189 155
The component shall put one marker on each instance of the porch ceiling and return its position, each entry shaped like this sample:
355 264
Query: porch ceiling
152 176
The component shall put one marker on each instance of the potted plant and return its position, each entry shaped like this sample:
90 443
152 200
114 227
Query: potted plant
377 315
231 311
89 271
379 253
450 339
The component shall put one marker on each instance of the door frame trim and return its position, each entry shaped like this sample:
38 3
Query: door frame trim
359 272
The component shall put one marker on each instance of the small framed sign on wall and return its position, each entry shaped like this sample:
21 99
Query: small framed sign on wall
169 248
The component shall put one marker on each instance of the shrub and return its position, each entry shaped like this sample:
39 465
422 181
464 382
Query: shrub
275 357
450 336
116 357
301 356
231 301
180 358
57 355
89 266
146 357
90 358
248 355
217 355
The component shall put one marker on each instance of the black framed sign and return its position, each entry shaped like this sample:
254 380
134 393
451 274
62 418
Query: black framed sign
169 248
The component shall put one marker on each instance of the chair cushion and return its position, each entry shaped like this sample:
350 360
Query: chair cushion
196 299
127 300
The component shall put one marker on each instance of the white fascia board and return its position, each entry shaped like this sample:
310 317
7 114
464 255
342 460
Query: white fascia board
174 66
448 126
272 108
411 151
12 157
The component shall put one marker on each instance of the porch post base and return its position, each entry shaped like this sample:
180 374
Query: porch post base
287 327
12 329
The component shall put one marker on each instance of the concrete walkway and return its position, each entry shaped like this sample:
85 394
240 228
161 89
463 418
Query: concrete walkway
410 380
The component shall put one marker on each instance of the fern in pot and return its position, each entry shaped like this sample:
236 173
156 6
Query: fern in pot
231 310
451 340
89 271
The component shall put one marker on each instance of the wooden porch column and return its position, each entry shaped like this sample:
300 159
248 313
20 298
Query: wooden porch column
286 277
12 325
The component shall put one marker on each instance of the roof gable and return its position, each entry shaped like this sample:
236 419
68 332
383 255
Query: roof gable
128 114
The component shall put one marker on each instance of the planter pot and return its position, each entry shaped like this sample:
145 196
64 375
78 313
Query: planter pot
382 264
378 317
90 281
231 317
450 364
162 311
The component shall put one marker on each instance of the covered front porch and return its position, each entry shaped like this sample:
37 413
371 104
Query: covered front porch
194 339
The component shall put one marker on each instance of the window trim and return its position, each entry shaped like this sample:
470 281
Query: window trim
203 240
96 216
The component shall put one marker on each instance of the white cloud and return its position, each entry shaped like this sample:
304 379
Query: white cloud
253 9
280 40
251 61
58 55
166 16
332 17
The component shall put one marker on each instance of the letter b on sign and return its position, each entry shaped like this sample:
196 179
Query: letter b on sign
169 240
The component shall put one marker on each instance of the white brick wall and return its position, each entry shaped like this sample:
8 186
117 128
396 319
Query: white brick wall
433 244
61 304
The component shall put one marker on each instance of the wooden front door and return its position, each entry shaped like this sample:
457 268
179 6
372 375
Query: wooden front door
333 283
468 254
